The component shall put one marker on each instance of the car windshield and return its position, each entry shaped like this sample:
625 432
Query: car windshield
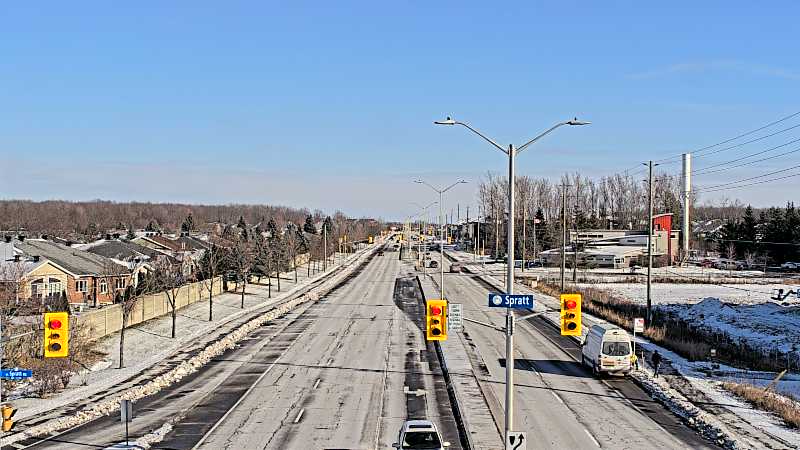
421 440
616 348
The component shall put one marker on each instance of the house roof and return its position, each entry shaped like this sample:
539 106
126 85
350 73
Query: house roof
117 249
163 242
192 243
77 262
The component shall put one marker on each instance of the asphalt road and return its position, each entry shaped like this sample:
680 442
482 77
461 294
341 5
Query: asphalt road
557 400
355 373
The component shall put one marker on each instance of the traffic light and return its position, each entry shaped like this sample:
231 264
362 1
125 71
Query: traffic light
56 335
8 412
570 314
436 320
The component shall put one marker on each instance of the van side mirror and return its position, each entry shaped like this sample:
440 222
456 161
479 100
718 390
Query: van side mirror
396 445
445 444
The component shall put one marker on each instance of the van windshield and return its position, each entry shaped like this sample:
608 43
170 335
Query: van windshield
616 348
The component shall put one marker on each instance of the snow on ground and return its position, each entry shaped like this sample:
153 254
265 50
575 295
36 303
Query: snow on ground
670 293
149 343
700 375
768 325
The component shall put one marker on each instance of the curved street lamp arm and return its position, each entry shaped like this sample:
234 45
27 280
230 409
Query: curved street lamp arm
522 147
452 185
429 185
483 136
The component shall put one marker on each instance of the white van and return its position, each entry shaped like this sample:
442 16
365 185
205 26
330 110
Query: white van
607 349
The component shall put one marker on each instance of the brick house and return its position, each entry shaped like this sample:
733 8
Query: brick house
53 269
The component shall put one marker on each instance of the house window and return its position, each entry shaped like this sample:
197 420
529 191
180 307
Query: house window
103 287
54 287
81 286
37 288
119 283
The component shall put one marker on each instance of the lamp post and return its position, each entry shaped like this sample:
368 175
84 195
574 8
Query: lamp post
423 211
511 151
441 228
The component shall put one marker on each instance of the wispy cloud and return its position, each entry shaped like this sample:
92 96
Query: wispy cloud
717 66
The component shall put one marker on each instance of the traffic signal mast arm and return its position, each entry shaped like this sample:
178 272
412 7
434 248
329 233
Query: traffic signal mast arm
503 329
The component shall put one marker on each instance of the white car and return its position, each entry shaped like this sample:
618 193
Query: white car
419 435
790 266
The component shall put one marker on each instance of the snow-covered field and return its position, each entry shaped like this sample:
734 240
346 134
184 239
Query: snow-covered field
679 293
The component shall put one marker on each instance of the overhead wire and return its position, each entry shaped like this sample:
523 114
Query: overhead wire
722 166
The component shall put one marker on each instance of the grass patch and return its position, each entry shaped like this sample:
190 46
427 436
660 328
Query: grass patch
784 406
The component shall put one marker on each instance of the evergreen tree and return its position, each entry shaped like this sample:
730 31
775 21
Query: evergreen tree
242 224
188 224
151 226
328 225
309 226
131 234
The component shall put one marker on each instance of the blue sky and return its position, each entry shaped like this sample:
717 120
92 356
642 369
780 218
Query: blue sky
330 104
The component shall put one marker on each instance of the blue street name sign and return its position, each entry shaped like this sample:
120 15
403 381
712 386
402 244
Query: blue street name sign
510 301
15 374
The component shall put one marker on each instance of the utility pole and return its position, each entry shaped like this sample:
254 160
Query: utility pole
325 245
575 246
523 233
649 241
563 232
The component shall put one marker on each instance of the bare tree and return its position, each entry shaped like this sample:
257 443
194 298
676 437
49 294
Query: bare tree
206 271
241 260
169 279
126 296
296 245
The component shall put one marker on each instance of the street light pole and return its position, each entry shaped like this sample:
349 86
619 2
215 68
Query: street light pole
441 228
511 152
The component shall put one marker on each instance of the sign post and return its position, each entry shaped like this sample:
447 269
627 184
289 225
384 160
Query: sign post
126 414
638 327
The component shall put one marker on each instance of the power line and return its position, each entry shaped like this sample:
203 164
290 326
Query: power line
708 147
705 170
752 184
751 178
724 149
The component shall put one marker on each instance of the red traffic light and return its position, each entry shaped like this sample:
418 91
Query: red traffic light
435 310
571 304
55 324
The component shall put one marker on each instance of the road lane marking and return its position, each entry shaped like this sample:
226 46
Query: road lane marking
592 437
558 398
300 415
317 383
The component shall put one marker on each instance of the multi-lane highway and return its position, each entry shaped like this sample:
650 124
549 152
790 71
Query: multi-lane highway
346 371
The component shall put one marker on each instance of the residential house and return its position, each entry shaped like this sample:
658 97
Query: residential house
53 269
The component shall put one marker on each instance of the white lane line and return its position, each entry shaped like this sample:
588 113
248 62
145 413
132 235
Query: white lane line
558 398
316 385
592 437
300 415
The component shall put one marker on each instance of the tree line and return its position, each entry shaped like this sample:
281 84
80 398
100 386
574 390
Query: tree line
86 220
773 234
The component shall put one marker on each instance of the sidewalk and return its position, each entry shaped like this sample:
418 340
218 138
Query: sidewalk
477 417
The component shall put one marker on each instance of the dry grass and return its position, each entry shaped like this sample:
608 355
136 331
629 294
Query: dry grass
784 407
